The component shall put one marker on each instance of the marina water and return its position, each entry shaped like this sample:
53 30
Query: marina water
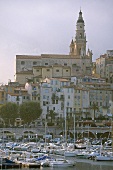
81 165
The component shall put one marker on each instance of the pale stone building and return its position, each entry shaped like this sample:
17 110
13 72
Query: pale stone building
77 62
100 94
52 96
104 66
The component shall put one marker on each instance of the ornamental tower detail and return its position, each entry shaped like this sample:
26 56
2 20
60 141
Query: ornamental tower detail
78 45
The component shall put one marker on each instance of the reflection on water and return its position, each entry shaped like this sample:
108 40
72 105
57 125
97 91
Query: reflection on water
82 165
94 165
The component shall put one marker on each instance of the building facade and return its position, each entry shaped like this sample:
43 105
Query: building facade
77 62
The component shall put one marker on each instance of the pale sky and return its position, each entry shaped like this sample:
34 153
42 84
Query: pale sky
35 27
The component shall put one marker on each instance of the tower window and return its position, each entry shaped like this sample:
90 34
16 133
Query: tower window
72 50
80 35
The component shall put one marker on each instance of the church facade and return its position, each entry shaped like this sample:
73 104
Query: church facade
77 63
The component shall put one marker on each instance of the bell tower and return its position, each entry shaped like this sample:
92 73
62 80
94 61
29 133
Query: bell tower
78 45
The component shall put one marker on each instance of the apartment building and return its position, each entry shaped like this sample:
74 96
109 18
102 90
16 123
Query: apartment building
100 94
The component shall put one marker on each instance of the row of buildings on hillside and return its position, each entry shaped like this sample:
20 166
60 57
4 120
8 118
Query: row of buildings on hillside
67 84
80 96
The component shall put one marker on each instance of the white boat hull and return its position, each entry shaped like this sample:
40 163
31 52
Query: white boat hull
69 153
61 164
104 158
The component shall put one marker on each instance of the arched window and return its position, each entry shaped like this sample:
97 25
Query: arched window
80 51
80 35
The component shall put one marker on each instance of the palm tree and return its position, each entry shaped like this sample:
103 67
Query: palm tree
94 107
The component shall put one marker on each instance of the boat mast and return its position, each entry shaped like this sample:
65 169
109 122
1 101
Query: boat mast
74 128
112 135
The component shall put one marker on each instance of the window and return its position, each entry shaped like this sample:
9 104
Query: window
34 98
51 82
46 91
34 88
44 97
67 103
80 35
2 94
37 70
72 49
46 64
48 69
65 64
44 103
34 63
23 97
62 83
57 70
53 101
66 70
28 97
22 62
68 96
56 101
47 108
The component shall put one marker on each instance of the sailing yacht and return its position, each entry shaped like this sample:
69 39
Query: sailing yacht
106 156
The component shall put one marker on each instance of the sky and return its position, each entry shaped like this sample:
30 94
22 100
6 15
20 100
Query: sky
35 27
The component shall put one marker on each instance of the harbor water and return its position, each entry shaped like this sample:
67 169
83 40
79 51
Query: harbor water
81 165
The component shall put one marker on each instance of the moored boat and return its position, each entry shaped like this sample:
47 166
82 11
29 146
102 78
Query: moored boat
62 163
104 158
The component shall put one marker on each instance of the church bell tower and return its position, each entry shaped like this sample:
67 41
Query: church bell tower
78 45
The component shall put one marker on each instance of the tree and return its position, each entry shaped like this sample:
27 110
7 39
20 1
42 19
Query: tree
8 112
30 111
94 107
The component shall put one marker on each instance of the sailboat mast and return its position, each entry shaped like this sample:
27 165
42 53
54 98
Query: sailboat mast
65 128
112 134
74 128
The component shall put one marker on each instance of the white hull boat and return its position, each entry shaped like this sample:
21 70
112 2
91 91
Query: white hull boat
70 153
104 158
62 163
